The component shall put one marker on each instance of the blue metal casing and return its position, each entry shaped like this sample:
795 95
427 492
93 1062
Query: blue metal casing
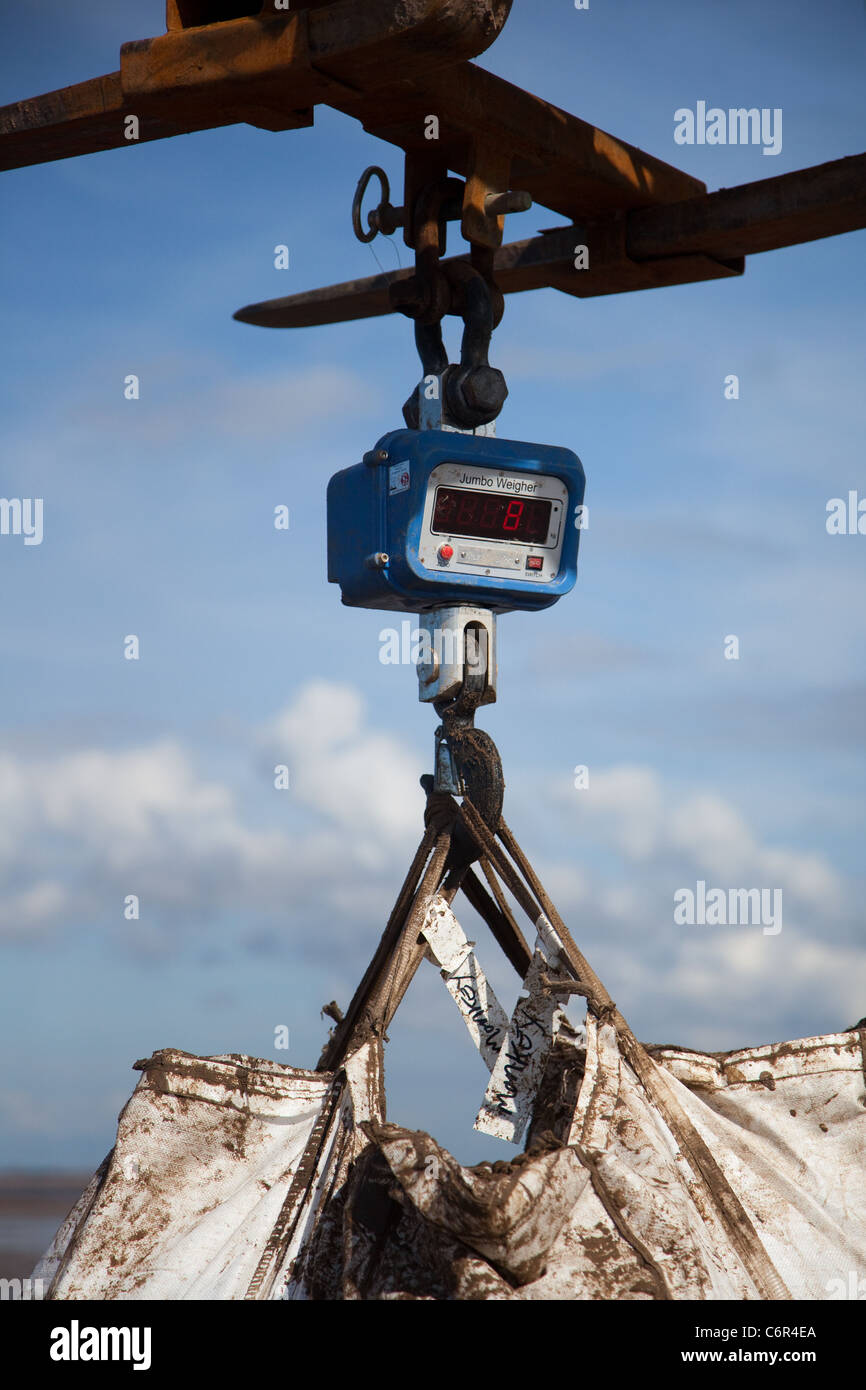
376 509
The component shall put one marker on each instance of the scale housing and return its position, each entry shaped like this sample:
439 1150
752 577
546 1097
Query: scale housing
506 509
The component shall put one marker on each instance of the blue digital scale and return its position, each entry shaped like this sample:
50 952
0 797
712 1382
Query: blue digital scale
435 517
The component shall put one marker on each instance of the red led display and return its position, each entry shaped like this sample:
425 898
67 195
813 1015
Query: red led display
498 516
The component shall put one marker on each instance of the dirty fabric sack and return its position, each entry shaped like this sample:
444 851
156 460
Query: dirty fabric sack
614 1209
211 1185
236 1178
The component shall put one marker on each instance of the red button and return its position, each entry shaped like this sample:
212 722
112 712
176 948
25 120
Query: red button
535 562
445 552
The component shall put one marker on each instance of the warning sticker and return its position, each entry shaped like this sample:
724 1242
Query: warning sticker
398 478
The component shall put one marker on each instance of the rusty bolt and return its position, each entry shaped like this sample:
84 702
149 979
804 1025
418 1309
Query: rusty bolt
477 395
485 389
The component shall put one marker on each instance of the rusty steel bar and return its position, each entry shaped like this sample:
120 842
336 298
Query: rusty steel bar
91 117
268 70
565 163
699 239
391 66
537 263
825 200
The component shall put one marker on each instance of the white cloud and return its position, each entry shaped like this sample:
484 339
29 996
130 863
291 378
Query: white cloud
38 906
80 831
360 780
630 798
702 833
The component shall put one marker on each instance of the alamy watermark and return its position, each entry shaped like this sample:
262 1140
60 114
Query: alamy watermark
77 1343
414 646
854 1287
846 517
22 1290
22 516
732 907
737 126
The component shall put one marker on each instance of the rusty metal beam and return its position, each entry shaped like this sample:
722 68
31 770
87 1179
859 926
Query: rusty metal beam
647 224
272 70
537 263
268 70
564 162
89 117
72 121
698 239
823 201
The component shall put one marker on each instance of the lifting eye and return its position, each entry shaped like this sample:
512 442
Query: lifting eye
384 218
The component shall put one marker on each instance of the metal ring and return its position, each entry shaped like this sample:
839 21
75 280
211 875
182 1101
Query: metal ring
359 198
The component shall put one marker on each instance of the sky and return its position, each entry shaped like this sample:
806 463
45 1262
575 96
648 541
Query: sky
155 777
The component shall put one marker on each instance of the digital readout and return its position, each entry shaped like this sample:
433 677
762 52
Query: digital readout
501 517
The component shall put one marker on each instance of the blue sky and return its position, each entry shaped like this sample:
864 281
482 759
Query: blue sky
707 518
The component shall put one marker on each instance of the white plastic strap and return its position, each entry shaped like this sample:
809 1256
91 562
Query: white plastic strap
514 1082
484 1016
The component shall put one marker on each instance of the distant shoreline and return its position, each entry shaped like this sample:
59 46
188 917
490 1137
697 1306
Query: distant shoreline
32 1206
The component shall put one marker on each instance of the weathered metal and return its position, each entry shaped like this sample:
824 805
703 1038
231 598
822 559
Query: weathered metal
699 239
266 69
825 200
394 67
486 123
536 263
271 71
384 218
